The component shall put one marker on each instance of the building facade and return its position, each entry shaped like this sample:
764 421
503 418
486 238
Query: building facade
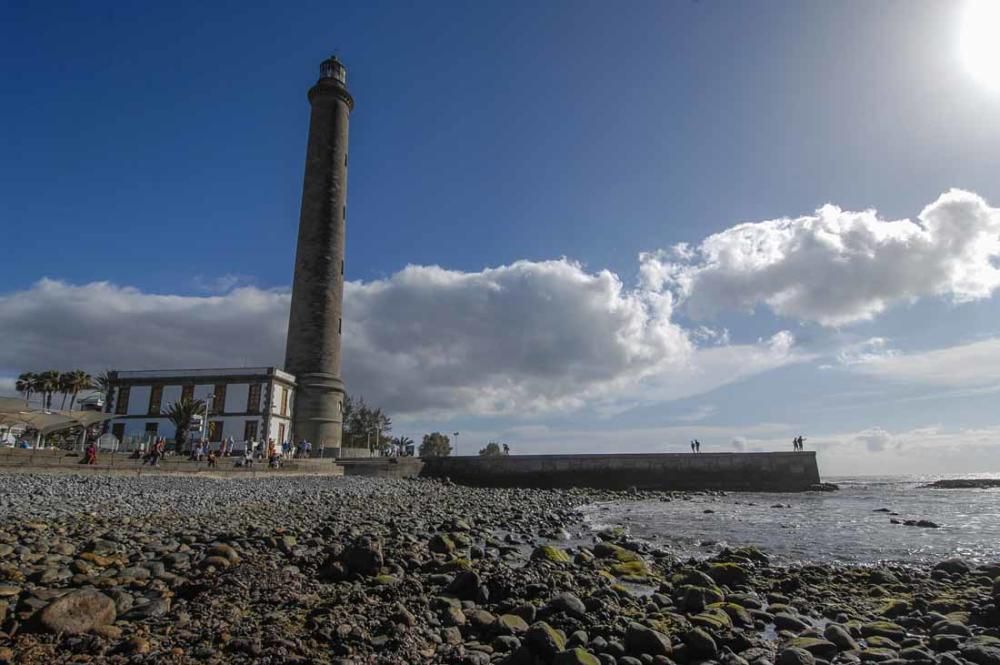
247 404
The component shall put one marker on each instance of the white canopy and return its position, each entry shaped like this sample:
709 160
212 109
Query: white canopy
14 411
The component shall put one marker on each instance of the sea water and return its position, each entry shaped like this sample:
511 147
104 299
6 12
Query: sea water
834 527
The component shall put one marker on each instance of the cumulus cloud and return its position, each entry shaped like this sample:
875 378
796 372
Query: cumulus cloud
875 439
836 267
531 337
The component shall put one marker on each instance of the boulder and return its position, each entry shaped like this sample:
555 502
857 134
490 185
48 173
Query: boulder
78 612
568 603
954 566
551 554
840 637
364 557
795 656
640 639
817 647
575 656
544 641
700 644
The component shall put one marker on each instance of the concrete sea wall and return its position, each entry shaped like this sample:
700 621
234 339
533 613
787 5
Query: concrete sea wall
781 472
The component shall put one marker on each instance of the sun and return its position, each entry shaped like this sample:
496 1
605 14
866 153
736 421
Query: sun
980 41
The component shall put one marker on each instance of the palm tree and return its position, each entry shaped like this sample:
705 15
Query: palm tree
181 413
27 383
104 384
78 380
65 387
48 385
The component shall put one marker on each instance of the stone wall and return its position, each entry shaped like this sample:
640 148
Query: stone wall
782 472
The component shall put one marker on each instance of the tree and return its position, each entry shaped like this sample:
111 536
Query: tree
27 383
435 444
72 383
181 413
494 449
366 426
103 383
402 443
48 385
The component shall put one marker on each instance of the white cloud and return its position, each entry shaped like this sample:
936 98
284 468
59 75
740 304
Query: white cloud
972 365
528 338
875 439
837 267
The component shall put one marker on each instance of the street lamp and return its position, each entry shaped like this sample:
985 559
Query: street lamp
456 444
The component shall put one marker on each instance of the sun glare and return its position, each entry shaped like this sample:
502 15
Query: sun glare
980 40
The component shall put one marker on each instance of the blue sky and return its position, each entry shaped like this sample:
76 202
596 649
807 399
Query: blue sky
159 148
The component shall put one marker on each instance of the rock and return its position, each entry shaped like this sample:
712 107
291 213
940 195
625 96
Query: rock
575 656
785 621
954 566
700 643
795 656
568 603
364 557
817 647
544 641
639 640
225 551
839 636
512 624
883 629
551 554
78 612
730 574
981 655
464 586
441 543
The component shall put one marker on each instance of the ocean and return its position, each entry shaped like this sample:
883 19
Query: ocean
823 527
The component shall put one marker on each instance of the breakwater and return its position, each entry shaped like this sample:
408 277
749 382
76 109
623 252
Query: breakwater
777 472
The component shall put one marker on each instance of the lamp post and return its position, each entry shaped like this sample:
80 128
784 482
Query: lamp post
456 444
208 400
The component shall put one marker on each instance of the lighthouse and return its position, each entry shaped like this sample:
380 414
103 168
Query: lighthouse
315 322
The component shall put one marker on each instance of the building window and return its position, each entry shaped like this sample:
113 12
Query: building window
340 326
343 211
155 399
187 393
281 433
250 430
342 266
345 159
152 428
121 406
219 402
118 431
253 399
284 402
215 430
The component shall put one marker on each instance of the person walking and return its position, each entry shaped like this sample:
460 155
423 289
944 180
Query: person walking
697 446
248 455
91 454
692 445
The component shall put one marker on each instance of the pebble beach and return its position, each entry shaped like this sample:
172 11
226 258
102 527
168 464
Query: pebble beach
361 570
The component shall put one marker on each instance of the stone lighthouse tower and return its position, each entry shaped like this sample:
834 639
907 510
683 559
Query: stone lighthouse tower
312 352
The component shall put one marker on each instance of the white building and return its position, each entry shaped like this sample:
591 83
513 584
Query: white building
250 403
